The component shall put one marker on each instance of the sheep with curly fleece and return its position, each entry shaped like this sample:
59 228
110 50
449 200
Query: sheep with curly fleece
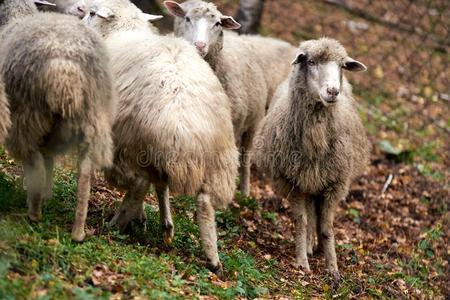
312 142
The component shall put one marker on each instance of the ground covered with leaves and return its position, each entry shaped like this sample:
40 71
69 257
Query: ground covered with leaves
392 232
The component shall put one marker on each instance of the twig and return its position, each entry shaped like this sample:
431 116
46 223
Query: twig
387 184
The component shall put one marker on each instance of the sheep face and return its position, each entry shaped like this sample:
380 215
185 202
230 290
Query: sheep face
108 16
319 66
77 8
200 23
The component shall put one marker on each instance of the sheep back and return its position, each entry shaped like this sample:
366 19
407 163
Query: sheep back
57 77
243 80
275 57
5 121
173 117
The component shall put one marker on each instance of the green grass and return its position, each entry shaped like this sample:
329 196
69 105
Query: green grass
39 260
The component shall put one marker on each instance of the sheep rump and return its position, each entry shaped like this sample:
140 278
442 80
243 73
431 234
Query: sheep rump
59 87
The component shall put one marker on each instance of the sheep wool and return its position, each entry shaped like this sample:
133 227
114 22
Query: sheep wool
57 77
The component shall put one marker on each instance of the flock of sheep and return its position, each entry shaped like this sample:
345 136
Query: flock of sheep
173 111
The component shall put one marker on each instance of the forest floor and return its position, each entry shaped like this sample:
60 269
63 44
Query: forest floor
392 239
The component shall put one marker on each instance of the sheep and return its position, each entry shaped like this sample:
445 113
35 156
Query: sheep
173 129
5 121
57 77
76 8
242 77
312 142
274 56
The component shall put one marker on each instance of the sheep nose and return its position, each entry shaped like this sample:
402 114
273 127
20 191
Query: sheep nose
200 45
333 92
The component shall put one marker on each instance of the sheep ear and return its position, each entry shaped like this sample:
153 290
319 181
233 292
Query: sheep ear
175 9
229 23
105 13
353 65
299 58
45 3
149 17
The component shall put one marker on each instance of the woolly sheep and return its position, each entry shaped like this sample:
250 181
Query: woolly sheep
5 121
241 76
57 77
312 142
173 128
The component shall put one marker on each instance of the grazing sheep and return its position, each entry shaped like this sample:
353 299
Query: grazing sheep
76 8
231 58
173 128
57 77
312 142
5 121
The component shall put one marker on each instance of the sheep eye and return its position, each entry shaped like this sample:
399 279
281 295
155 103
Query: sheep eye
218 24
188 19
92 13
311 62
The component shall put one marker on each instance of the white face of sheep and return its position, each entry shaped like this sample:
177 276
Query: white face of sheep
324 78
203 30
102 17
78 8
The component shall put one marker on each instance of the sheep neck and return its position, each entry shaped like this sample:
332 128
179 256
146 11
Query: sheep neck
214 55
312 125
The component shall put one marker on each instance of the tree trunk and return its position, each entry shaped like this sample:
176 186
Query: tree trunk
249 15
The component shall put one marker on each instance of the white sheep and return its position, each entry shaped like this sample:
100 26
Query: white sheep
173 128
231 58
312 142
57 77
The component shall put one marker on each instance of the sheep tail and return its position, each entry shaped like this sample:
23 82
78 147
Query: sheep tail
65 82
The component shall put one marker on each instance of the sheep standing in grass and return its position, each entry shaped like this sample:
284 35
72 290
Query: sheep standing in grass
312 142
240 74
57 77
5 121
174 126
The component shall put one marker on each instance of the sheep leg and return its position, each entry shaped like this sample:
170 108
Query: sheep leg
162 191
49 164
246 162
208 234
311 229
301 223
35 178
83 193
132 206
327 213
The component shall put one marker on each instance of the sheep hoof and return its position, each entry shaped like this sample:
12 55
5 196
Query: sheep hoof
35 216
78 235
218 270
168 233
304 266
